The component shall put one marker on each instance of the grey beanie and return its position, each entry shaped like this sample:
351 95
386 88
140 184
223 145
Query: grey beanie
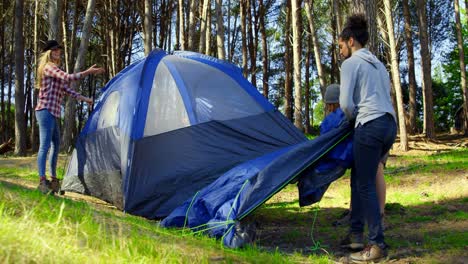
332 94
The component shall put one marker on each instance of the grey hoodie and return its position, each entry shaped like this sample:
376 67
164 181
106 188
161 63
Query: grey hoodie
365 88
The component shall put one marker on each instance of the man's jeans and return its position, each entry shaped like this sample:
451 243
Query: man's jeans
49 132
371 142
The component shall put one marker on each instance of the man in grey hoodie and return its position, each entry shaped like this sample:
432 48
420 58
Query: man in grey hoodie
365 99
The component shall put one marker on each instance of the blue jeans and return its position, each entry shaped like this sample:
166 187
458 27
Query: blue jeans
371 142
49 132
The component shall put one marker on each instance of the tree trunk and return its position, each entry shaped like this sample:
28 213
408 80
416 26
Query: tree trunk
369 9
461 54
208 32
192 24
396 77
288 97
243 7
203 25
262 11
182 26
220 29
55 9
148 28
411 73
69 121
316 45
296 26
252 46
307 109
20 123
426 70
3 124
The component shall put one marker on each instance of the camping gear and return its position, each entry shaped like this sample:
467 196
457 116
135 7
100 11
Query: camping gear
174 130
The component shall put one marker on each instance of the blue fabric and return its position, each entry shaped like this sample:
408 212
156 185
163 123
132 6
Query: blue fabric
371 142
331 167
244 188
342 154
49 137
143 96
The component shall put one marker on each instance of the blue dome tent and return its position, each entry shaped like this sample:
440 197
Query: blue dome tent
186 138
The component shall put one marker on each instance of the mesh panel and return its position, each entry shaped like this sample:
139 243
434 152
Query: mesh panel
109 112
213 94
166 110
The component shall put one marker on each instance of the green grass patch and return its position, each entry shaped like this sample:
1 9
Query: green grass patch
48 229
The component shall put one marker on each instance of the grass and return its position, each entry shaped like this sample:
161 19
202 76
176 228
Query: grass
427 212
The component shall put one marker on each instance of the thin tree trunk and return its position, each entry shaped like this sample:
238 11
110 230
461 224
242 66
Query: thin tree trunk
192 24
203 24
396 77
69 121
288 97
20 123
234 39
411 73
461 54
307 111
55 8
296 26
3 123
262 15
182 26
243 7
208 31
426 70
316 45
220 30
251 46
148 28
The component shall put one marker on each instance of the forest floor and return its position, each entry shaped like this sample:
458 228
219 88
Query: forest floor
426 213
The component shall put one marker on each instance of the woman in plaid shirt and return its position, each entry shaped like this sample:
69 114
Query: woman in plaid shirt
53 83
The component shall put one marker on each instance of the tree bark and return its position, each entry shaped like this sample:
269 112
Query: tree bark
148 29
262 10
220 30
203 25
318 60
243 7
461 54
251 45
307 109
3 66
183 45
192 24
20 123
288 97
296 26
55 9
69 121
396 77
428 127
411 73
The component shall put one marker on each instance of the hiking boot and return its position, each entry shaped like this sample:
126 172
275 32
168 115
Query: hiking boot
344 219
55 185
370 254
44 187
353 242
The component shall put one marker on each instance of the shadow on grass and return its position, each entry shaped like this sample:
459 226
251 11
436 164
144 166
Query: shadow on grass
413 232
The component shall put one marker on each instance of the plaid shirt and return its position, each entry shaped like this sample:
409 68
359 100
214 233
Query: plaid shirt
55 83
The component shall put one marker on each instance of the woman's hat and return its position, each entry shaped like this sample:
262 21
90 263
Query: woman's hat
51 45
